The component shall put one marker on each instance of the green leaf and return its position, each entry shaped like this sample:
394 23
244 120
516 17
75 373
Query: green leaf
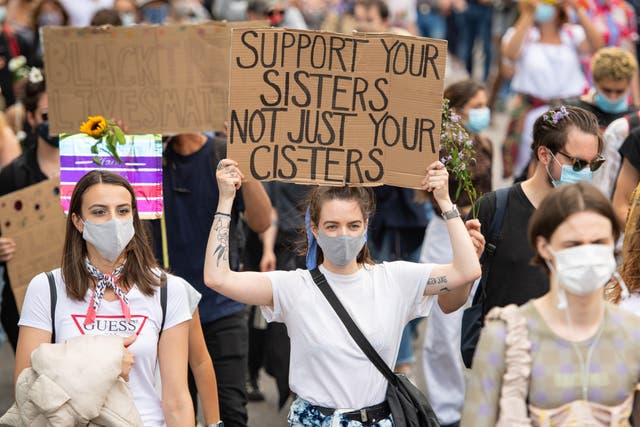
94 148
119 135
97 160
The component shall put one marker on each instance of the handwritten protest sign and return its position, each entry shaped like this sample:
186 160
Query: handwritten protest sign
156 79
34 219
317 107
141 165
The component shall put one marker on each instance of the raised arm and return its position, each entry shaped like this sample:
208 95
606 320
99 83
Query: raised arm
247 287
451 282
512 47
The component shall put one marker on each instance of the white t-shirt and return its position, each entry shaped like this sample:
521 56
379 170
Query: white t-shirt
441 359
327 367
549 71
81 11
146 318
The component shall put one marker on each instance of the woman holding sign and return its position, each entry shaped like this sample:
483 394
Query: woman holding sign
110 284
335 382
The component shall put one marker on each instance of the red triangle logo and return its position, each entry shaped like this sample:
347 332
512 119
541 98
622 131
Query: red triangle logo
116 325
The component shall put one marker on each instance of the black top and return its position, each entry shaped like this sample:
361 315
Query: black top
22 172
604 118
513 280
630 148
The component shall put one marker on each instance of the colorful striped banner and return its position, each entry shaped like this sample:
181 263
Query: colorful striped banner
141 165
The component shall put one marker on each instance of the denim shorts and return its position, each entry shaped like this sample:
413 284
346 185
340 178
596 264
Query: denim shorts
304 414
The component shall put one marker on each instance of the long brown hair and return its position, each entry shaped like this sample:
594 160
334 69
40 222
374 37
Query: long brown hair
630 266
362 195
140 265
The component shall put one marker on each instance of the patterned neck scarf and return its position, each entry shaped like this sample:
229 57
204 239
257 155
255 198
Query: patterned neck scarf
104 281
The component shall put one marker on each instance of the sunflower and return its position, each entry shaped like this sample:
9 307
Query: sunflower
95 126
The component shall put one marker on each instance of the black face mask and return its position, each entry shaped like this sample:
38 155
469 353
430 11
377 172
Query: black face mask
42 130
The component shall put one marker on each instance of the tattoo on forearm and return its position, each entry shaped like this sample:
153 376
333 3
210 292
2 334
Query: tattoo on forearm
445 289
440 280
221 227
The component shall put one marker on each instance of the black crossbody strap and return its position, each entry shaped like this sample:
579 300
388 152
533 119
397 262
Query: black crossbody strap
351 326
54 299
163 300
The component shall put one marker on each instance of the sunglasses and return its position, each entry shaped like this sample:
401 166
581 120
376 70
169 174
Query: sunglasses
579 164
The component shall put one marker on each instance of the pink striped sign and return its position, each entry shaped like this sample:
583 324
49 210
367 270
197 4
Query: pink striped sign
141 165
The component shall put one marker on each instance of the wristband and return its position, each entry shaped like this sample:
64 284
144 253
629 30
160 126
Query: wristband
223 214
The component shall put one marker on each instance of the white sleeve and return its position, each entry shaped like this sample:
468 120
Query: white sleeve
286 286
576 34
411 277
36 308
193 296
177 302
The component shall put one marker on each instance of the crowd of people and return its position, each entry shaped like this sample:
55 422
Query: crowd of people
156 321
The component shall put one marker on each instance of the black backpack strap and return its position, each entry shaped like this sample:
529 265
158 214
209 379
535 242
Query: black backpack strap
634 120
351 326
163 300
495 230
54 299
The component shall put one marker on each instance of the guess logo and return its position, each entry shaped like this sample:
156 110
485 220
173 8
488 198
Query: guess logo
110 325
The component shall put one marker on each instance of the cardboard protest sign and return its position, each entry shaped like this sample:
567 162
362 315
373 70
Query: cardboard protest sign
141 165
156 79
318 107
34 219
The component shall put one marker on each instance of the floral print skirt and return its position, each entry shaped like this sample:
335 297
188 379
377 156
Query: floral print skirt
304 414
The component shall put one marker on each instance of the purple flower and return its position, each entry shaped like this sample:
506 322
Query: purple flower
449 157
443 160
463 167
469 143
455 118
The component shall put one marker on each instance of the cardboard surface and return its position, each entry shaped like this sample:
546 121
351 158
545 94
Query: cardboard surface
141 165
325 108
156 79
34 219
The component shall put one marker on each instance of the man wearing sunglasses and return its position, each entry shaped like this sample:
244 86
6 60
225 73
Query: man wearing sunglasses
567 144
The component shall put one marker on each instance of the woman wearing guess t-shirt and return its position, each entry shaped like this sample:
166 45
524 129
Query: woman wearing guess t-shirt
109 284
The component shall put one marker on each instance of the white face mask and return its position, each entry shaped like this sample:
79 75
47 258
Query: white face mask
109 238
583 270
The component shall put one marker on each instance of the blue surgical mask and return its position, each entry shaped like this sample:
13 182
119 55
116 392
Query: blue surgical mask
570 176
155 15
128 19
479 119
50 19
544 13
3 13
609 106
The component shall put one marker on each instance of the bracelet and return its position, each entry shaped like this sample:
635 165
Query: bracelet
223 214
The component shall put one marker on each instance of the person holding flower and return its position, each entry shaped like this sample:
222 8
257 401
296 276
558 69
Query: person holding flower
334 381
567 144
441 361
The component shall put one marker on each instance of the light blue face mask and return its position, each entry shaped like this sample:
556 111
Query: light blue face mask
3 13
479 119
128 19
609 106
544 13
570 176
